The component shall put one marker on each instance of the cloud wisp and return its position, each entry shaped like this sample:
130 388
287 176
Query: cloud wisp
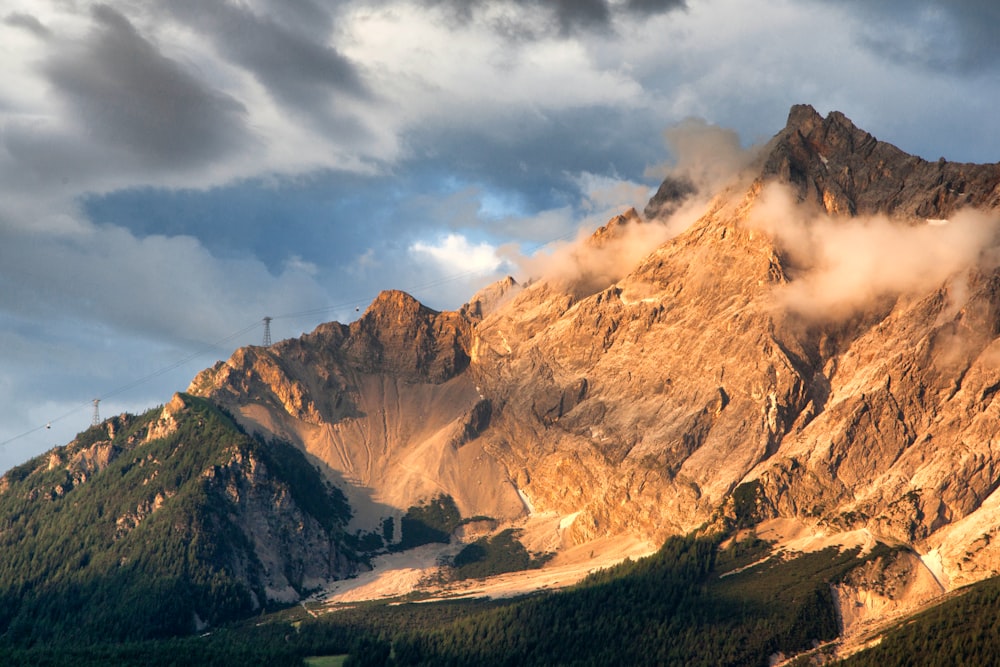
706 160
955 36
456 254
840 266
567 16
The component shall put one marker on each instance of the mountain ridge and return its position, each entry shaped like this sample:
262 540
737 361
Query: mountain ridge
816 347
578 426
832 162
162 524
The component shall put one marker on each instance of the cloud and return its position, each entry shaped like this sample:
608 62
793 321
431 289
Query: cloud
706 159
456 254
589 262
839 266
604 194
292 62
306 17
163 287
650 7
707 155
139 102
552 244
28 22
568 17
942 35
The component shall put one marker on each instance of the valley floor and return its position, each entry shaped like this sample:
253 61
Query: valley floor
418 571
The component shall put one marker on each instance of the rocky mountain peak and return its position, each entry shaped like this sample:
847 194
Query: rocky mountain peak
397 305
845 170
637 392
661 381
673 192
614 227
401 336
491 297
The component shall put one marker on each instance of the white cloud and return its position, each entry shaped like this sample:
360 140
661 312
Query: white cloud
454 254
607 195
415 60
840 266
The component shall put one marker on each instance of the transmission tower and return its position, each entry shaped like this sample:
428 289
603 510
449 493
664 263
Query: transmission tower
96 421
267 331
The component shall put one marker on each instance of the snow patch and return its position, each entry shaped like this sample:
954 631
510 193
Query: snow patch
527 502
935 565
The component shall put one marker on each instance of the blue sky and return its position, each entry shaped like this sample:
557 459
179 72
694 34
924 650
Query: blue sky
172 172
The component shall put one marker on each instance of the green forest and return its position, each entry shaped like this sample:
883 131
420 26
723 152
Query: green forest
692 603
85 559
963 631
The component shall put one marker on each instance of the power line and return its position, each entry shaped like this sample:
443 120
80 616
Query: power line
135 383
313 312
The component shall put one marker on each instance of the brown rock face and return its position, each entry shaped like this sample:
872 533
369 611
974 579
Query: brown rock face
386 404
400 337
848 171
639 404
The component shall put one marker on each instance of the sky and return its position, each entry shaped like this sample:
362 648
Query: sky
173 172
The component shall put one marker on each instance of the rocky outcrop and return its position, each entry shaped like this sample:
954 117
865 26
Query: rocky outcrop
387 405
846 170
400 337
179 499
490 298
673 192
291 551
886 587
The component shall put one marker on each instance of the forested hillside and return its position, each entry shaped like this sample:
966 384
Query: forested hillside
963 631
691 603
128 534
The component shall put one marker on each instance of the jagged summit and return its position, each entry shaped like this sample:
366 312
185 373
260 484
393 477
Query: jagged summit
673 192
614 227
491 297
833 163
640 400
399 335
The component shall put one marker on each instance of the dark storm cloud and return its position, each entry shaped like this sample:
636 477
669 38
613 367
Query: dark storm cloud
28 22
569 15
295 66
942 35
304 16
585 13
133 98
650 7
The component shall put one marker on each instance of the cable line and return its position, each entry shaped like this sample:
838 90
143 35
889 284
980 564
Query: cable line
312 312
139 381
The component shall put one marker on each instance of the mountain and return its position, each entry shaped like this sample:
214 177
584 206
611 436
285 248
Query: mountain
160 525
809 352
639 402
